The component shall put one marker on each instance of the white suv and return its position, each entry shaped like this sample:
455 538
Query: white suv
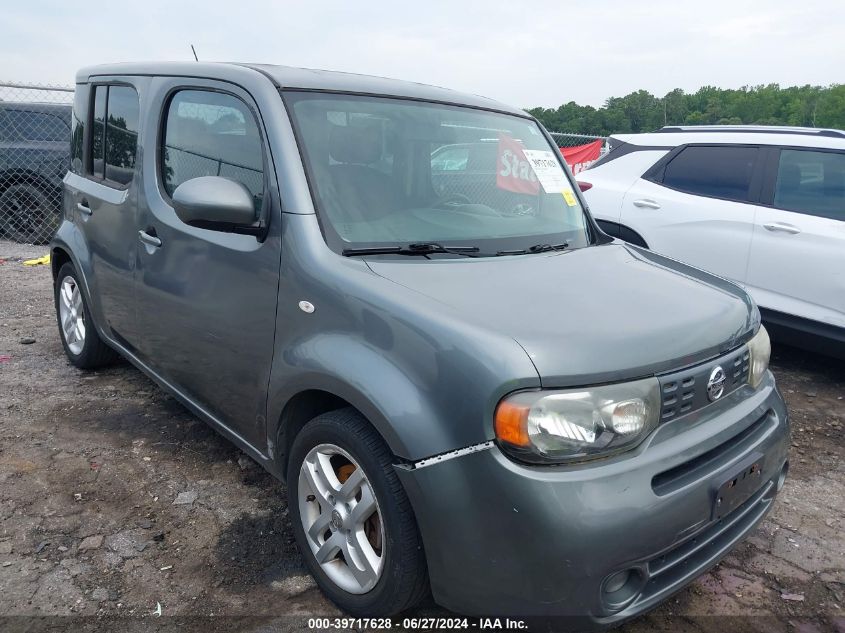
762 206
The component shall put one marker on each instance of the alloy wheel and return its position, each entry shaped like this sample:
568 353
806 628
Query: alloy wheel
72 315
341 519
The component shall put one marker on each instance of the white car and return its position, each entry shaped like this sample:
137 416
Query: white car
761 206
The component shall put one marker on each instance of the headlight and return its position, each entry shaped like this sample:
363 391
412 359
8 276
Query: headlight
578 424
760 349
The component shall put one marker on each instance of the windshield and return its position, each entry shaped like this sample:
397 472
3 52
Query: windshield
392 173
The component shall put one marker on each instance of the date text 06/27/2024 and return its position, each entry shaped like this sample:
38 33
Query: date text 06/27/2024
481 624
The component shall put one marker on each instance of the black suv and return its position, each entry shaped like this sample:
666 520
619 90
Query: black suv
34 156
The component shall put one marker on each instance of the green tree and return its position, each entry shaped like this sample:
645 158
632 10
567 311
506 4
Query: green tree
640 111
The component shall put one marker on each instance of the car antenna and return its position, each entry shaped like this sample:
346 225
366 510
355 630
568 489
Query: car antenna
194 51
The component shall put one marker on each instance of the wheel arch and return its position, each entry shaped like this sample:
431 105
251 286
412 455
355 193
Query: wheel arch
421 396
300 409
386 408
60 254
58 258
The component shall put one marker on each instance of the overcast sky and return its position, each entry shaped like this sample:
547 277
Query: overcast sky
523 53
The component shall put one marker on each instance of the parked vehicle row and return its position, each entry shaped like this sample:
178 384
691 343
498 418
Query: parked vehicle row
761 206
467 386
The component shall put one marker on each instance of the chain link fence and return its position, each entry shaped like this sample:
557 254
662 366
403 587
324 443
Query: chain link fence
568 144
571 139
34 157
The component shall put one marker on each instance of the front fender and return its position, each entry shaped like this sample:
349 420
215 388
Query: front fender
426 378
425 403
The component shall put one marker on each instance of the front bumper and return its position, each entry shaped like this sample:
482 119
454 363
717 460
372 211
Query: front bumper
502 538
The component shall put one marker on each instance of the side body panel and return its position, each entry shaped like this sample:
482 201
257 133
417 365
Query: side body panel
708 233
207 299
797 263
801 273
426 379
612 180
105 215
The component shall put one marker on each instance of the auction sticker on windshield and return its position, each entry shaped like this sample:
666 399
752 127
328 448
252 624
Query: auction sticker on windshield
569 197
547 169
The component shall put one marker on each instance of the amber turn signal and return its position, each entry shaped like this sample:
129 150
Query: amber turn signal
511 423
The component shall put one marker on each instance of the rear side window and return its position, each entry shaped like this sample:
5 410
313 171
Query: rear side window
212 134
26 125
98 135
716 172
812 183
121 134
450 158
470 157
114 137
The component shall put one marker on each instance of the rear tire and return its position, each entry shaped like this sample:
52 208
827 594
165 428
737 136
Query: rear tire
327 451
27 214
83 346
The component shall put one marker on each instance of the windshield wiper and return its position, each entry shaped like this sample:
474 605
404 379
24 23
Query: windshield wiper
537 248
413 249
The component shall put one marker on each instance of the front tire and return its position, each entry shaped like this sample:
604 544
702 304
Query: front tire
83 346
352 519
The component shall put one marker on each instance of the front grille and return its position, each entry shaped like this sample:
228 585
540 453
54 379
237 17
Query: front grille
685 391
674 479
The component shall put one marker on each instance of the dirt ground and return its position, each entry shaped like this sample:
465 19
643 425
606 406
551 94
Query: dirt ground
120 510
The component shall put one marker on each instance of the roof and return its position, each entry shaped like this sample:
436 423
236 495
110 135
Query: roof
59 110
288 77
768 129
672 136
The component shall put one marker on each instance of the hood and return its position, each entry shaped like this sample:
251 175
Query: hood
591 315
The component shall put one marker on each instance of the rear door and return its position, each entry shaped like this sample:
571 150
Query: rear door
697 205
206 298
797 264
102 188
609 179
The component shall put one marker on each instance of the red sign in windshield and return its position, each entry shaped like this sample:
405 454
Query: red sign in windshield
513 171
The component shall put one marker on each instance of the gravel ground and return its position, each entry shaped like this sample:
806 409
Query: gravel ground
115 501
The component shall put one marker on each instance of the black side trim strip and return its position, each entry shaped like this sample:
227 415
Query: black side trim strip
821 338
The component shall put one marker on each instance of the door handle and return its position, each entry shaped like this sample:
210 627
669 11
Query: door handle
645 203
783 227
146 238
83 207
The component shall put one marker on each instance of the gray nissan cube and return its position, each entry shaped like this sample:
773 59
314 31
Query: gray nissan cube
469 389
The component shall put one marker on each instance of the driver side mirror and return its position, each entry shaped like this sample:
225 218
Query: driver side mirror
214 202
